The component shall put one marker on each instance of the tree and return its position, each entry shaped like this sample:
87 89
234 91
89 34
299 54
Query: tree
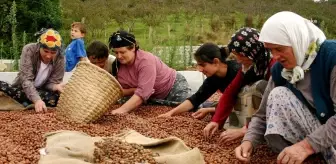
13 22
35 14
26 15
4 22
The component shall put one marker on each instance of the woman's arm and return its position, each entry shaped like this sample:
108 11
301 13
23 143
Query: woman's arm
134 102
208 88
324 136
26 74
184 107
145 88
225 105
257 126
228 99
129 91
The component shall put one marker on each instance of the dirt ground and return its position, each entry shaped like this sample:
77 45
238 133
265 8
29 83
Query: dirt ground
21 134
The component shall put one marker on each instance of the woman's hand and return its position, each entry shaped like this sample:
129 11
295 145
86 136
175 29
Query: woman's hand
210 130
244 151
40 106
296 153
119 111
201 113
59 87
167 114
131 104
232 134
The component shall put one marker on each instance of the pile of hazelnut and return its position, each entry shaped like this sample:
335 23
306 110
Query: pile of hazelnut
115 151
22 134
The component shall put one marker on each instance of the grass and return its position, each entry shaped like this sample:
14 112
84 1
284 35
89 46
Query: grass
181 29
178 30
177 33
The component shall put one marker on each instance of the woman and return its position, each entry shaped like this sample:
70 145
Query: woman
297 113
211 61
256 65
41 73
143 75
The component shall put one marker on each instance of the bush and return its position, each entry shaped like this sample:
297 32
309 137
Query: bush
30 16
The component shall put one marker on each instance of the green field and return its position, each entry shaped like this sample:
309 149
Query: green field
176 24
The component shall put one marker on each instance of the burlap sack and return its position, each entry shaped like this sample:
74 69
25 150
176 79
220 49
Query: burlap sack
9 104
77 148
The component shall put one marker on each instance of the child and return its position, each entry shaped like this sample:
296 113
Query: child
75 51
97 53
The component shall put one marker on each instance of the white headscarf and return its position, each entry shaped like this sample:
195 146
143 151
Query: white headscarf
289 29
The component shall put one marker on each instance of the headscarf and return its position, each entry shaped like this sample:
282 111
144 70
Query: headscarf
245 42
50 39
121 39
289 29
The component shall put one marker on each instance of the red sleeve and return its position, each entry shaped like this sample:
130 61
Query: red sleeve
228 99
272 62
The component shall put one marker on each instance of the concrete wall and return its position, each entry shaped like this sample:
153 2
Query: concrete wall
6 65
10 76
194 78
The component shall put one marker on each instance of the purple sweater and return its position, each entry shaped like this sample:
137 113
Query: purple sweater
149 75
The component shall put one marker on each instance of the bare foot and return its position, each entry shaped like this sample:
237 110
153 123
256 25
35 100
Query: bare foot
232 134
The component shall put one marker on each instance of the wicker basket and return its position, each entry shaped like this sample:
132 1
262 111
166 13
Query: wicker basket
89 93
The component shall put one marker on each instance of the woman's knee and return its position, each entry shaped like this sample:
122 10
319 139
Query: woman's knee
279 101
180 90
279 91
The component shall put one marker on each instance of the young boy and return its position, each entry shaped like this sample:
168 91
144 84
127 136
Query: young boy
75 51
97 53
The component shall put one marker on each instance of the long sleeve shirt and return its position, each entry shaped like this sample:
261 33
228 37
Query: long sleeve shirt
214 83
30 62
322 138
229 97
149 75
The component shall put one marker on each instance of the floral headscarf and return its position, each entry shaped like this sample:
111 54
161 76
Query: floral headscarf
246 42
289 29
50 39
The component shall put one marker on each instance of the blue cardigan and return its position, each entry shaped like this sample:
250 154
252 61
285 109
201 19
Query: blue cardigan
320 70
